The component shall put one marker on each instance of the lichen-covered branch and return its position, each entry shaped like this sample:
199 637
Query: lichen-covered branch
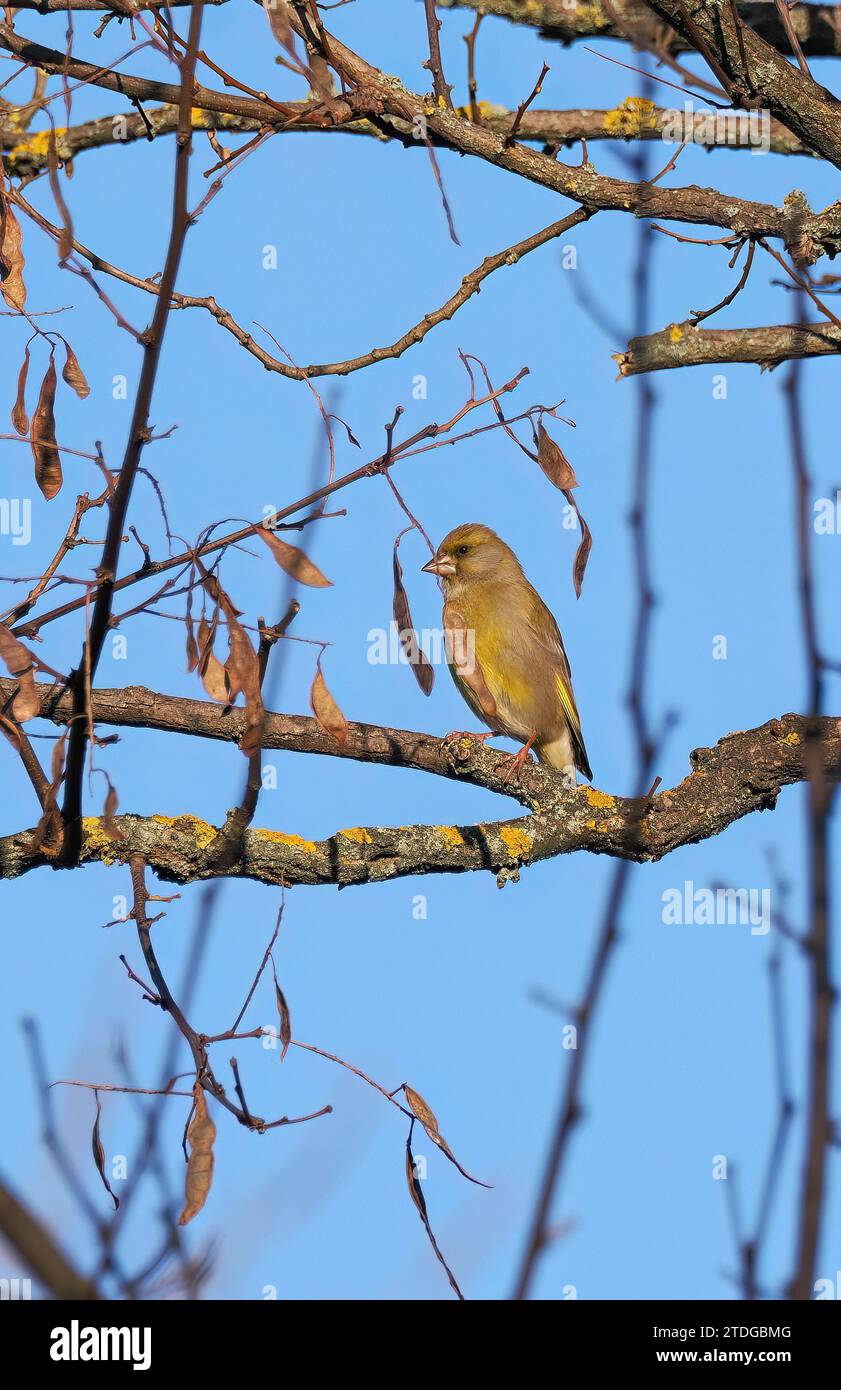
816 26
742 774
102 6
756 74
634 119
807 235
682 345
373 94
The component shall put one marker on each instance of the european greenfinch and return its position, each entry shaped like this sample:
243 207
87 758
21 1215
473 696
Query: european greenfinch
504 649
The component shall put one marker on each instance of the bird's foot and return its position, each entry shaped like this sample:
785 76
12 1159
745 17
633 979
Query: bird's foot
465 733
515 762
460 752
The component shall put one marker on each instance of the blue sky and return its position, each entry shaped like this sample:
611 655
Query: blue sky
680 1067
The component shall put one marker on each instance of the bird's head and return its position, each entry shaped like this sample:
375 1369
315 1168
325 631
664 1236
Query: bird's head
472 553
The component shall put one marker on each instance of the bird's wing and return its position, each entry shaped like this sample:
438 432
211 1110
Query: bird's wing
465 666
548 635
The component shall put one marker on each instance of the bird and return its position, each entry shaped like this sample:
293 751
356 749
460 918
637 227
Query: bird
505 651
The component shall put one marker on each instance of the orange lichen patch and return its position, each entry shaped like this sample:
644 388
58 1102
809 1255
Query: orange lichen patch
675 332
291 841
601 827
358 834
792 739
516 841
597 798
453 838
201 832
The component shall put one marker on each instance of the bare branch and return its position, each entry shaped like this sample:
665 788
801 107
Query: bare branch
39 1252
684 345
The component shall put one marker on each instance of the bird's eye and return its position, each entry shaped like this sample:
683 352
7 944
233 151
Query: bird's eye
462 550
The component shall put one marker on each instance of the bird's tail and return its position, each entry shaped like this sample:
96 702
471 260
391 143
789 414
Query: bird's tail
565 755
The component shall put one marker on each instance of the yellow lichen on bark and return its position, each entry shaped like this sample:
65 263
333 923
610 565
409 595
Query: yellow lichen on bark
597 798
293 841
631 117
200 831
97 841
516 841
358 834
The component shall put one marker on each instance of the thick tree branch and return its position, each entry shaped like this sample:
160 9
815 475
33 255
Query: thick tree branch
806 234
742 774
816 26
632 120
36 1247
102 6
756 74
139 708
682 345
142 88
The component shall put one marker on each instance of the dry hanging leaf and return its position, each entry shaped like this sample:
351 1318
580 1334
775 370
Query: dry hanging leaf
20 419
559 471
296 564
326 710
285 1016
242 668
582 554
422 1112
415 1190
192 648
72 373
65 239
99 1154
200 1136
554 461
44 448
215 680
243 671
415 655
20 663
12 260
210 668
49 832
416 1194
278 18
109 825
206 636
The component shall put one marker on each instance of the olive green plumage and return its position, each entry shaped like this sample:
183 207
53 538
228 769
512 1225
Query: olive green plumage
505 651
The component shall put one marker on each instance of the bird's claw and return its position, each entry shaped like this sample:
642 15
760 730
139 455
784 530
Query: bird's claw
462 754
515 762
465 733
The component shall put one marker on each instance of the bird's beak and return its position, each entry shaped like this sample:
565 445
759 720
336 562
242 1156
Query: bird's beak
443 566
